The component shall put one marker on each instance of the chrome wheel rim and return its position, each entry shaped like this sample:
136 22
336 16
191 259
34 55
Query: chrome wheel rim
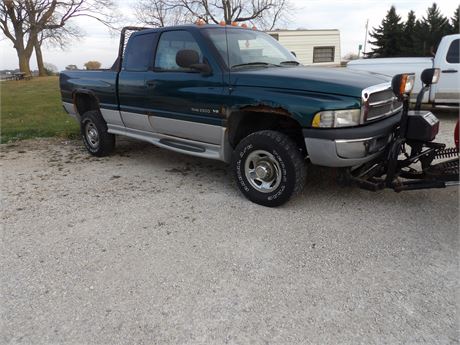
91 134
263 171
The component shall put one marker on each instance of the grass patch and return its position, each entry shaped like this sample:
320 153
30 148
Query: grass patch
33 108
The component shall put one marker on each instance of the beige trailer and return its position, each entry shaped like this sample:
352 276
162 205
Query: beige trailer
312 47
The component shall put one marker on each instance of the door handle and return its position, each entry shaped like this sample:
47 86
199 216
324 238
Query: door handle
449 71
151 83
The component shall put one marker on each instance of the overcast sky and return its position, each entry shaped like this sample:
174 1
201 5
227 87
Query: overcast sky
349 16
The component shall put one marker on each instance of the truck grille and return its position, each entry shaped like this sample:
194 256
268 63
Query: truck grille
379 102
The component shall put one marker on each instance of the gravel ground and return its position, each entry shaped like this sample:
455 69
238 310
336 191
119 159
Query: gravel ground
152 247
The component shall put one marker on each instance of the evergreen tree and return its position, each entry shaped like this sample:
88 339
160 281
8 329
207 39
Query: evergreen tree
432 29
420 43
455 29
409 31
388 38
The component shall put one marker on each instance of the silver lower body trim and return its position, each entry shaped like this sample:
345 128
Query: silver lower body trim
112 116
70 109
191 147
186 129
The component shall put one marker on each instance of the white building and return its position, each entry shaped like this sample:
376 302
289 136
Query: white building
312 47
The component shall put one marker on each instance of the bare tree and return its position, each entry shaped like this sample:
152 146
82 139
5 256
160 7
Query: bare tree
160 13
21 29
59 37
28 23
264 13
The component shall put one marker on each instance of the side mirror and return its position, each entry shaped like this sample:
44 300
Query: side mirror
430 76
188 58
402 84
293 53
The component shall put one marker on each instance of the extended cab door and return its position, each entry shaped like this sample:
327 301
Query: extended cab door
133 91
183 102
447 59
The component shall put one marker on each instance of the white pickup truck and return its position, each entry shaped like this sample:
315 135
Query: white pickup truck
445 92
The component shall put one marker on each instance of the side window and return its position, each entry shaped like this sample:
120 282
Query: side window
452 54
139 53
170 43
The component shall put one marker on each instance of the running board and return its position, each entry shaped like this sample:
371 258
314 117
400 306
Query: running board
186 146
182 146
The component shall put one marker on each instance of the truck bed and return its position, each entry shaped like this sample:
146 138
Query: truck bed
393 66
99 82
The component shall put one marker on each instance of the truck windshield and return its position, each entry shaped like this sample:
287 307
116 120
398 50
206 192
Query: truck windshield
249 49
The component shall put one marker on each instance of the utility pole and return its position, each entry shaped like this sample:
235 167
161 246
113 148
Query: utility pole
365 37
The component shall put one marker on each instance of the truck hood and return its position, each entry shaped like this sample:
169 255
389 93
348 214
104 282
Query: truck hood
339 81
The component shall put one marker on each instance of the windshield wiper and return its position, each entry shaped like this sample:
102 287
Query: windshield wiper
290 62
265 64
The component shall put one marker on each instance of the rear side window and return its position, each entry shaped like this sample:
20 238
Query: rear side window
170 43
452 54
139 53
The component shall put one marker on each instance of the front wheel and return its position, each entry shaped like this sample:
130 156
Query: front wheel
269 168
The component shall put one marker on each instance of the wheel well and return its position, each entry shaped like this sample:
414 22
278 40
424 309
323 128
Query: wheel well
244 123
85 102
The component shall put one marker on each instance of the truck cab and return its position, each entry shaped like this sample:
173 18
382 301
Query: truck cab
447 59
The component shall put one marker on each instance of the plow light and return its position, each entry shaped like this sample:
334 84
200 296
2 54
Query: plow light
430 76
402 84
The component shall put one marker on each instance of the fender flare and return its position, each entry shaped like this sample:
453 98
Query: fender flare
81 91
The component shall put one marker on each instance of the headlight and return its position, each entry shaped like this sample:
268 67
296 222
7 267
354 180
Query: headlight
337 118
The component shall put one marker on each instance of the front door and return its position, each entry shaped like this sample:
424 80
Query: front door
183 102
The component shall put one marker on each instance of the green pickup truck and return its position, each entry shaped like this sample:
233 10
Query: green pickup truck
236 95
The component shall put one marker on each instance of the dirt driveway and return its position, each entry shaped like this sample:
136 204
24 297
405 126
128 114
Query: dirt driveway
153 247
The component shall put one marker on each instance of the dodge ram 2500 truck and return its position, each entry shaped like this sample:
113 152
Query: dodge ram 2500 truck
236 95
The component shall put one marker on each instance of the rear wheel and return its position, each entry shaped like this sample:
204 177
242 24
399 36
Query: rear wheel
269 168
94 133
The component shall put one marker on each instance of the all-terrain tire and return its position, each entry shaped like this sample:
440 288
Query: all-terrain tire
94 133
269 168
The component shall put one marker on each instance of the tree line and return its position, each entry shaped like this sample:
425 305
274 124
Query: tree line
413 37
30 24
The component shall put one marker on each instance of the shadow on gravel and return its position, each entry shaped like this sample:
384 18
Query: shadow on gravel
321 185
320 181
